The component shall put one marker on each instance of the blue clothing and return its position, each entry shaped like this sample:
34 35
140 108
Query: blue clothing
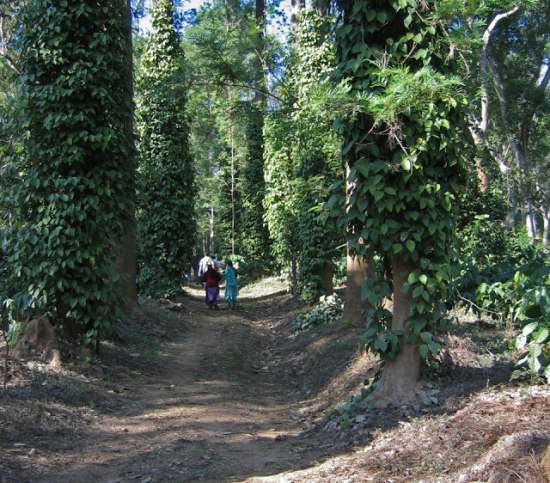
231 286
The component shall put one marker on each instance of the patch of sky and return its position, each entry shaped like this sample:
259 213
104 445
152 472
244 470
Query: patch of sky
277 15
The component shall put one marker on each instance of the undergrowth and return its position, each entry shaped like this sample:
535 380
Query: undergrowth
328 309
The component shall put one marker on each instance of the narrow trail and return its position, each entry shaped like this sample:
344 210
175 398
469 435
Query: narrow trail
216 409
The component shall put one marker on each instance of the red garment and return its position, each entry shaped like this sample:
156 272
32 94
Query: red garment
211 278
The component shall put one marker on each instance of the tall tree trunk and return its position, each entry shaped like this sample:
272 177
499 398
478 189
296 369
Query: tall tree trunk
127 261
530 220
358 270
480 132
233 187
294 271
232 7
323 7
260 69
126 265
490 66
326 272
210 246
398 382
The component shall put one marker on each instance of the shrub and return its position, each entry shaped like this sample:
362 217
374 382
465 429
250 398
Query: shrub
328 309
522 303
531 311
248 270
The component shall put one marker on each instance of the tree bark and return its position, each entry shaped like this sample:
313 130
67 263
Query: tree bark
398 382
325 272
7 27
489 65
126 266
358 270
259 80
530 221
480 133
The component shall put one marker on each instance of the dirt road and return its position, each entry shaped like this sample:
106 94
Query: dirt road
214 405
226 396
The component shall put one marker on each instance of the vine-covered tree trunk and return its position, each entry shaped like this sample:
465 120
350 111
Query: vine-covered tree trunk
401 374
127 261
358 269
314 163
253 233
74 195
325 272
167 225
546 226
406 153
296 7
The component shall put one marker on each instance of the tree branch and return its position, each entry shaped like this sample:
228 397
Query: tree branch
485 68
488 68
3 51
244 86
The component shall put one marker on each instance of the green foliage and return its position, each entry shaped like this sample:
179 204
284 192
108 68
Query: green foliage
74 192
279 202
10 326
523 302
327 310
490 254
249 269
226 50
506 276
431 398
514 141
166 189
379 337
495 244
302 161
520 49
405 145
254 236
534 342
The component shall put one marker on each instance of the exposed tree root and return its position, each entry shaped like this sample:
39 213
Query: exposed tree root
505 455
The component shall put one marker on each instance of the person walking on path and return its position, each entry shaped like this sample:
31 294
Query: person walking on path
203 265
211 281
231 285
217 263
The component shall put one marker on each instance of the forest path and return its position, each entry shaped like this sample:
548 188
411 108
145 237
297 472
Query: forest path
238 396
215 409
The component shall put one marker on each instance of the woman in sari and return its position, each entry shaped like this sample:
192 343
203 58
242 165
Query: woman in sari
211 281
231 286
